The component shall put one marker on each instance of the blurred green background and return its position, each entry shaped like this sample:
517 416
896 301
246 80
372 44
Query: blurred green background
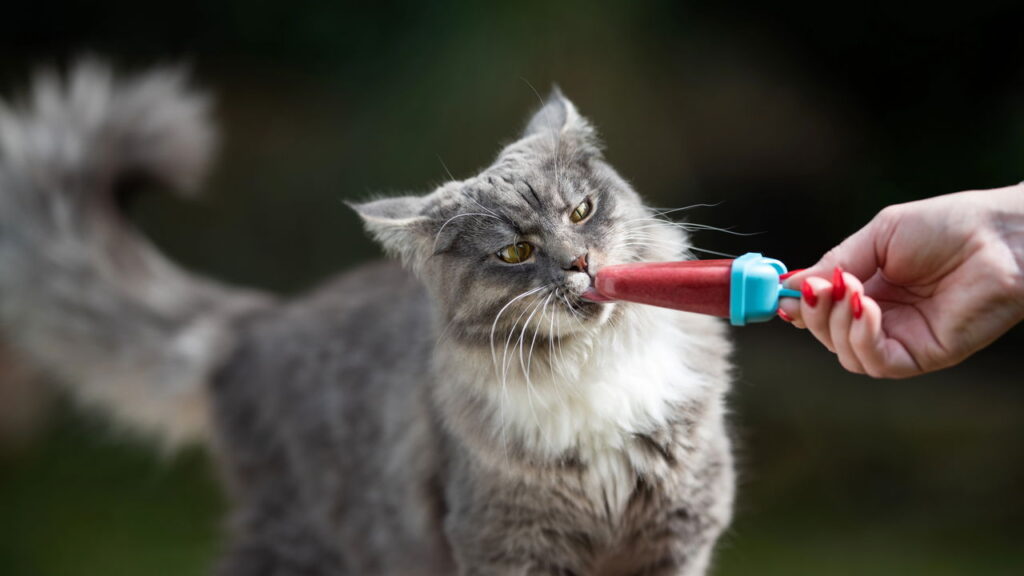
801 121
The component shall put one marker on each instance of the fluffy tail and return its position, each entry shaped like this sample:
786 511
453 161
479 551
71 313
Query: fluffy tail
81 292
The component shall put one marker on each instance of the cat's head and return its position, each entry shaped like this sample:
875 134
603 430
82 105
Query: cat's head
517 245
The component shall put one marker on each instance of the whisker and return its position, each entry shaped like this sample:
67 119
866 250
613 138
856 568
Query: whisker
713 252
690 226
555 364
503 398
652 240
644 244
561 351
551 344
526 373
494 325
445 166
506 357
572 312
522 335
556 385
663 212
529 360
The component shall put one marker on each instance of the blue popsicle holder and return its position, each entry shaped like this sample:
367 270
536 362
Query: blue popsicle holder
755 289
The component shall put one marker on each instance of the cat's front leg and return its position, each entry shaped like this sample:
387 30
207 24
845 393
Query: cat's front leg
514 567
267 540
690 562
498 539
677 540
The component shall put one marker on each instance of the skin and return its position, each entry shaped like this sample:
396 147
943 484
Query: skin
938 280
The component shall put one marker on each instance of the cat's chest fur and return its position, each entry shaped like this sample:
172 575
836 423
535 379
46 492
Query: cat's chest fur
620 405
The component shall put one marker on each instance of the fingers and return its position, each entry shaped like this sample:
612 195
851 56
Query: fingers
881 356
849 324
815 309
829 309
789 310
847 293
866 338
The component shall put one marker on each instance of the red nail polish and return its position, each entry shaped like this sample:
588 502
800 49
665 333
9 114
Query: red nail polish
791 273
838 285
856 306
784 316
808 293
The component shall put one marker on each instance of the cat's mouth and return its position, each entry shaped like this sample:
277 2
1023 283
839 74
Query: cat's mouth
577 285
576 303
592 295
582 286
581 298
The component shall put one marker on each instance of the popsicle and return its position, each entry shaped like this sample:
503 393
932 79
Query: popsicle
744 290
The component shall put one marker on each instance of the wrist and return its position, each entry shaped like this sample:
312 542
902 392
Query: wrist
1010 223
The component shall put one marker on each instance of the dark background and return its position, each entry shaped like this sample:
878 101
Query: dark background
801 121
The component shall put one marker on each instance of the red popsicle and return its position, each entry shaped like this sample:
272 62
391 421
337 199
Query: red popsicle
700 286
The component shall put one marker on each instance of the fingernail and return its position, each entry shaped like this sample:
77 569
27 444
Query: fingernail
791 273
809 296
856 306
838 285
784 316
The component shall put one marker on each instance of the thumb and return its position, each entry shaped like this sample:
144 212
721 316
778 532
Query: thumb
859 254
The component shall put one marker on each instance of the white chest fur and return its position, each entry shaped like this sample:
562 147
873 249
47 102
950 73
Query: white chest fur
597 394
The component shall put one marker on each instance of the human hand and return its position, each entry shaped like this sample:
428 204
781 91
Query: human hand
923 286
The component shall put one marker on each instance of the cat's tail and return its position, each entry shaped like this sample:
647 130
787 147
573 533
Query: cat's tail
81 292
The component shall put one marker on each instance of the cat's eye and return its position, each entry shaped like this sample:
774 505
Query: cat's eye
581 212
516 253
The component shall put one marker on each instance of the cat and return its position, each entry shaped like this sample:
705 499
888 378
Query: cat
465 412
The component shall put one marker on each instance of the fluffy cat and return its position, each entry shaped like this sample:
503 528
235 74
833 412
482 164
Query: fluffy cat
468 413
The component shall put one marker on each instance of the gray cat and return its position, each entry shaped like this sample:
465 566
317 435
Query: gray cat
467 414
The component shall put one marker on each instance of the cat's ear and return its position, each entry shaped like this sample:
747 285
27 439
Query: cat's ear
557 115
400 224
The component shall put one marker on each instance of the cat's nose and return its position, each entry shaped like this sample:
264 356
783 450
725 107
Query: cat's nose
579 264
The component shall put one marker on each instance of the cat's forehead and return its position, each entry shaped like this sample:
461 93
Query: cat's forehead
521 196
533 179
530 182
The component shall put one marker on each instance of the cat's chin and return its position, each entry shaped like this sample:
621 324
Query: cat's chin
584 315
